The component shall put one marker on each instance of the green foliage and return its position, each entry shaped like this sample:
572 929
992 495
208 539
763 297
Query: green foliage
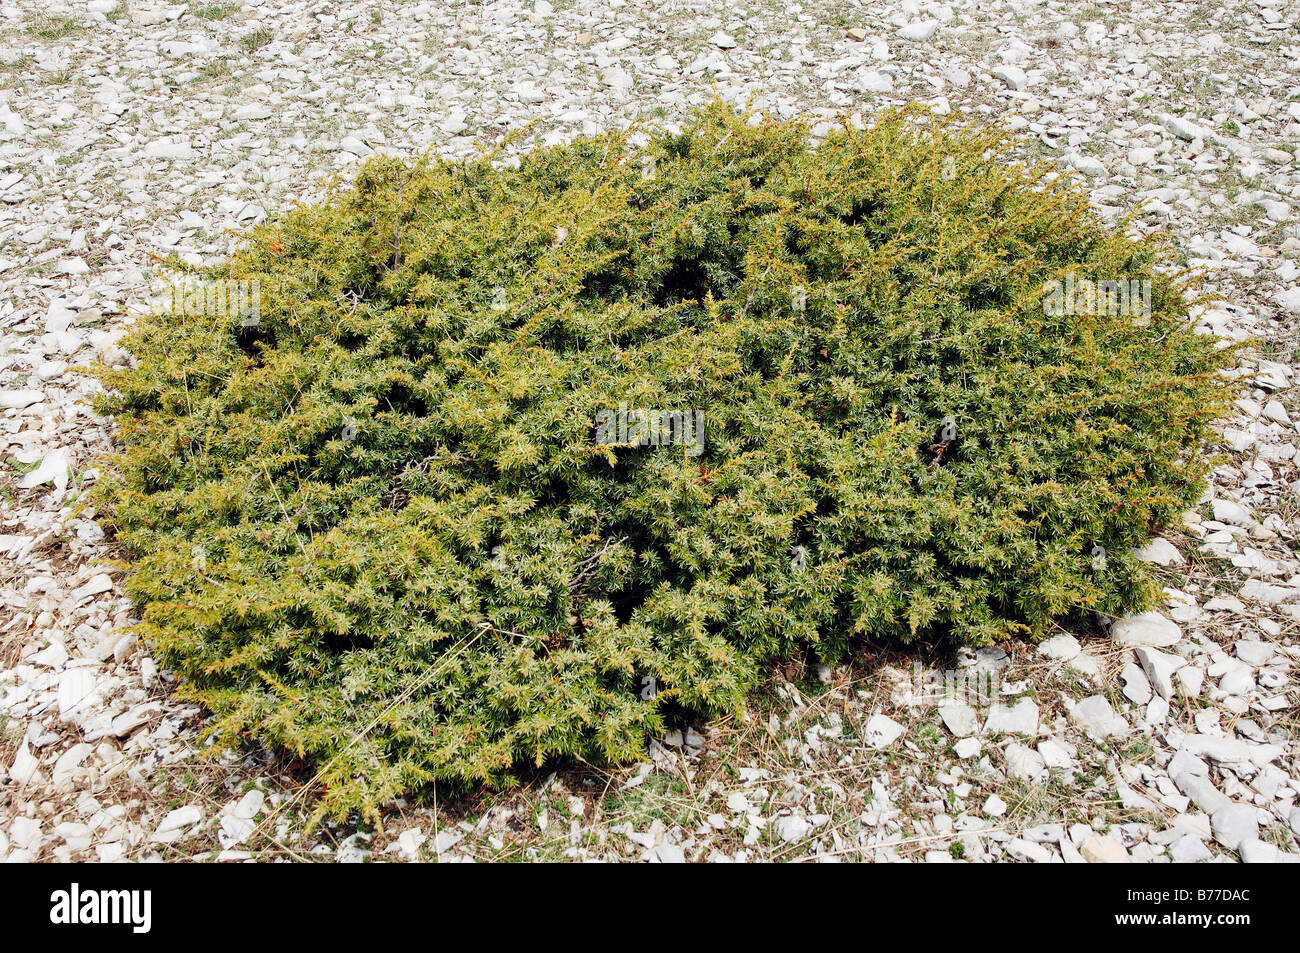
377 529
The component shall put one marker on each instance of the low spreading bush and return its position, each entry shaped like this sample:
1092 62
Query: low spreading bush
511 457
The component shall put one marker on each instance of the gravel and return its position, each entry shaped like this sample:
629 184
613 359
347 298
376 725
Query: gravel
129 133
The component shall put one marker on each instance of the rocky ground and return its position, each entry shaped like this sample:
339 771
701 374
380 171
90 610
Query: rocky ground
133 130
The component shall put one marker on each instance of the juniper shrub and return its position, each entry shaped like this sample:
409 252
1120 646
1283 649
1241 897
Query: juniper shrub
378 526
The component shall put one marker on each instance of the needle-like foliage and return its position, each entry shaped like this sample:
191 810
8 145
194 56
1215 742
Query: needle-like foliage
379 525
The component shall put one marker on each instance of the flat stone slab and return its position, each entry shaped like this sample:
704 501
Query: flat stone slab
1145 628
